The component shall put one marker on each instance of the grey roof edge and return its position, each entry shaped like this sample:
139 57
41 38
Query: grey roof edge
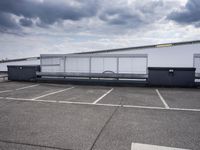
141 47
19 59
92 55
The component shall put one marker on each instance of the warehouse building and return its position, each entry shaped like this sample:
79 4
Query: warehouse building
133 60
171 63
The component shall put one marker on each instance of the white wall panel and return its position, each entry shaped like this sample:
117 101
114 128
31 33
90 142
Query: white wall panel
175 56
97 65
51 69
133 65
101 64
110 64
125 65
197 64
139 65
77 64
52 64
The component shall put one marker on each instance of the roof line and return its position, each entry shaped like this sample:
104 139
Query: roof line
19 59
141 47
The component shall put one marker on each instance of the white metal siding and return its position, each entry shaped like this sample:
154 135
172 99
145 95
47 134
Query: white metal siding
175 56
125 65
52 64
133 65
77 65
139 65
110 64
99 65
197 63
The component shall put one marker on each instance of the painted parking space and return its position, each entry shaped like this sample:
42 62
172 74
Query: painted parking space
35 125
126 96
79 94
181 98
13 85
98 117
4 102
163 128
133 96
31 92
47 125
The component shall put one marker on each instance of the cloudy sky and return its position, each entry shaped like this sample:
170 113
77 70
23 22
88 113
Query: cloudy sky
33 27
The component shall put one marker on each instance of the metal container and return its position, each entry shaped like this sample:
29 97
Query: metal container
23 72
183 77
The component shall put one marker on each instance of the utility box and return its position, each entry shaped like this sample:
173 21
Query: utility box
23 72
183 77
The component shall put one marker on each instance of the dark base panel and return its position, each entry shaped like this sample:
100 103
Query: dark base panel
181 77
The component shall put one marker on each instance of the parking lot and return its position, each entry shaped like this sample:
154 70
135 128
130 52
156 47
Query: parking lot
81 117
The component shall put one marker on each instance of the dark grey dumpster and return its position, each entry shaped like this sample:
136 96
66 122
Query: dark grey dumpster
184 77
22 73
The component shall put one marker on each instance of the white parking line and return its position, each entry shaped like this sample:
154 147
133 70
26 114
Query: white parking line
96 101
52 93
162 99
25 99
21 99
5 91
139 146
101 104
185 109
26 87
144 107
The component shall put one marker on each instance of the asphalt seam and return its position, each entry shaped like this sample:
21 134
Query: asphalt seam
106 123
33 145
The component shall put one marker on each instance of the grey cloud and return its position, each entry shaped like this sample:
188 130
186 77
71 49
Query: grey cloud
121 17
190 14
26 22
8 24
115 15
48 11
136 15
6 20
